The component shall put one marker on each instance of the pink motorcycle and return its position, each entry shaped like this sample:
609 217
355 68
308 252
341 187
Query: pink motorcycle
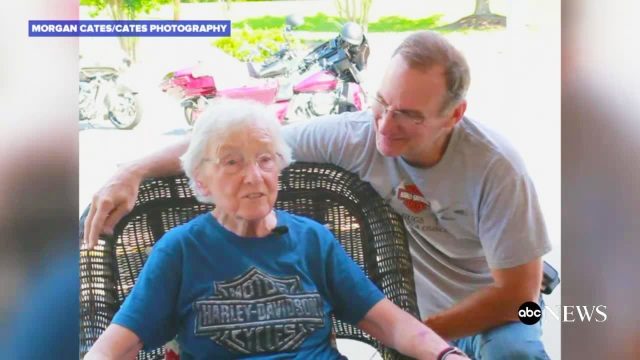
326 81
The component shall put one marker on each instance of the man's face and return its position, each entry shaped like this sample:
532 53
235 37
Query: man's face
412 126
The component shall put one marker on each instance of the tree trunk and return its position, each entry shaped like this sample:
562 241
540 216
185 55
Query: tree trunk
226 5
482 8
176 9
127 44
482 18
366 9
356 11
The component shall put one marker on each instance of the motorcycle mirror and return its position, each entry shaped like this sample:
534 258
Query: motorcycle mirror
293 21
352 33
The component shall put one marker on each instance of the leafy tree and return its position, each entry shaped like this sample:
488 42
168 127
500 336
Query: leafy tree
127 10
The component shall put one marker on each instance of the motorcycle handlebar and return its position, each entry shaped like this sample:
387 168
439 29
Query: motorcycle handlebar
328 48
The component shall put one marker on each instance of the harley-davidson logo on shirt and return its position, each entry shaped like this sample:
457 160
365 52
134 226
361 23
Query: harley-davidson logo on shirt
258 312
412 198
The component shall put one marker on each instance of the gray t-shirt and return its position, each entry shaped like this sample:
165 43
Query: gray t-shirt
473 211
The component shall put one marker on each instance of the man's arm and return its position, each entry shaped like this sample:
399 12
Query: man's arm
401 331
117 197
309 141
339 139
494 305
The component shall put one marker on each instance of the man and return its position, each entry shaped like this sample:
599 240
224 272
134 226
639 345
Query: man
476 231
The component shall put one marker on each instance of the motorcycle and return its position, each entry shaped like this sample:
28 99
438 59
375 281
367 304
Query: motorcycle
325 81
281 62
103 96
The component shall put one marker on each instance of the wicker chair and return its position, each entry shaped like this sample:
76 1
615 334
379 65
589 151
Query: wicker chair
366 227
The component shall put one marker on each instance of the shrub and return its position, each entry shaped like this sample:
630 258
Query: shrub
243 42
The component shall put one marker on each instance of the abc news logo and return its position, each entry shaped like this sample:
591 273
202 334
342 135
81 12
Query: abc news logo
530 313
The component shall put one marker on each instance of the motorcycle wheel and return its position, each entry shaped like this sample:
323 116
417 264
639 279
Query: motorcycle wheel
125 113
86 101
189 115
192 111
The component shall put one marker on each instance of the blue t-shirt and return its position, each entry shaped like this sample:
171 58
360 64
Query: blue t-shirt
227 296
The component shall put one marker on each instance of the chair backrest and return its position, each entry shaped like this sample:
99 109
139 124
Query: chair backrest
368 229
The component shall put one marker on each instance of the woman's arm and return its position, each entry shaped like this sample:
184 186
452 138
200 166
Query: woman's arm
401 331
116 342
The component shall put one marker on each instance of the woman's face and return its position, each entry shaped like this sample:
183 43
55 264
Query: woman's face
242 174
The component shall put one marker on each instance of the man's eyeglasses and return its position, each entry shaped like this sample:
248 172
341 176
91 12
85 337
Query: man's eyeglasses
380 108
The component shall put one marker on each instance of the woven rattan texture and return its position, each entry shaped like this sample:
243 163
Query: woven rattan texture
368 229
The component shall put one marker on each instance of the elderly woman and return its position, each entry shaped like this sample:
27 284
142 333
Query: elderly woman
246 280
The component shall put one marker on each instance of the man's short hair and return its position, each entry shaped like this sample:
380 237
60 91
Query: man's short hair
425 49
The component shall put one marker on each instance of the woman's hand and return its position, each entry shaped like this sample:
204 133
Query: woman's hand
116 342
401 331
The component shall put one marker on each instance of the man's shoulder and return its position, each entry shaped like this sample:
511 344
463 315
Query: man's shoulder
351 117
489 149
334 122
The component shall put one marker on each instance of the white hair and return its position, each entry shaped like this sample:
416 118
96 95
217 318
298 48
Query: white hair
217 121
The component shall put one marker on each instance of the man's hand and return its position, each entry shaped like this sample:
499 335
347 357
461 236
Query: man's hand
115 199
111 203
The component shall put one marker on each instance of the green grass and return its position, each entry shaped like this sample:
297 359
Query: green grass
325 23
320 22
397 23
267 30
